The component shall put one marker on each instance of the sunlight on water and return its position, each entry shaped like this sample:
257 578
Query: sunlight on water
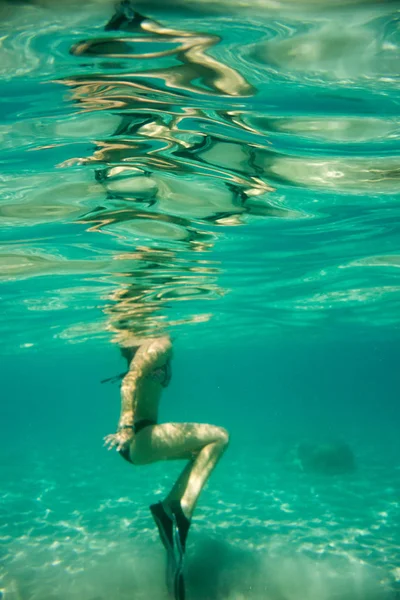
175 158
224 171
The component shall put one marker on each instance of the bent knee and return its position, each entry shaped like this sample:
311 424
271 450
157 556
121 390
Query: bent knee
223 436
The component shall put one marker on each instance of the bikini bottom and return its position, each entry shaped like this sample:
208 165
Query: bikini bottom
138 426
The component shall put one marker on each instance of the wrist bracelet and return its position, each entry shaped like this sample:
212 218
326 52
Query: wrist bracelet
125 427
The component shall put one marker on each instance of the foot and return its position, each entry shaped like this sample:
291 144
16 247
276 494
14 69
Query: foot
125 17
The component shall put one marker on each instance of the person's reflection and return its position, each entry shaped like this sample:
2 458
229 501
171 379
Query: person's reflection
197 72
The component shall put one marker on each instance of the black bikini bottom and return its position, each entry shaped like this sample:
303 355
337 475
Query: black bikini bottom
138 426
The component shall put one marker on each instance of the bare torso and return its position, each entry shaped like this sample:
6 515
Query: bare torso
149 372
148 399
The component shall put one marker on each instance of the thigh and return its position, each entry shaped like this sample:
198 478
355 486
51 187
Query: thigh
171 441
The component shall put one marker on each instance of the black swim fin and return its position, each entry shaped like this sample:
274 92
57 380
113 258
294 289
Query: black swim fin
181 525
125 18
165 529
173 533
179 584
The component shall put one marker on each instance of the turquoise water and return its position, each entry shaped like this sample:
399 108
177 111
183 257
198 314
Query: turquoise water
230 175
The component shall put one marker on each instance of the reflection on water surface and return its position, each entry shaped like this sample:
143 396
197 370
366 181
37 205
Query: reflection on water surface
158 161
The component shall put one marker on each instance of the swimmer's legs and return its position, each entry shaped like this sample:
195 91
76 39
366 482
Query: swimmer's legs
202 444
191 481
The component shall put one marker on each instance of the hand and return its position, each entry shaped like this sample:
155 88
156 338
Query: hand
119 439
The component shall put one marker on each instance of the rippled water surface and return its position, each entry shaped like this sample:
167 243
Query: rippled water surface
218 167
230 174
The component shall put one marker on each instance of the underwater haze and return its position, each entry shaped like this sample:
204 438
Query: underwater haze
227 173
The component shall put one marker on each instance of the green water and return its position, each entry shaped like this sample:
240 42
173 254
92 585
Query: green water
228 174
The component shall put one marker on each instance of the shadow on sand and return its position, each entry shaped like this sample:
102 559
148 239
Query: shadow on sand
219 571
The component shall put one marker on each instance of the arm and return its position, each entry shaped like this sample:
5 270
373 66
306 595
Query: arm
151 355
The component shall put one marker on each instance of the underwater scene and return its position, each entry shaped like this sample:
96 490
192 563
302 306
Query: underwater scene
200 300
